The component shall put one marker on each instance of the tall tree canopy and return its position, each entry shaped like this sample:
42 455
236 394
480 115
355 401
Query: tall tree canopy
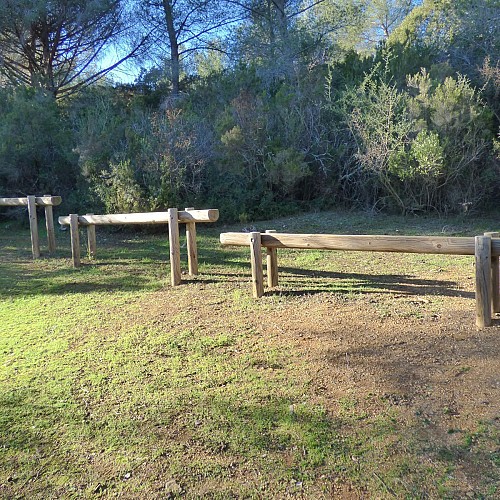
183 27
58 45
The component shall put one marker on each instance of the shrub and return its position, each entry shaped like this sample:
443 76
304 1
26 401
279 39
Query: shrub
426 147
36 145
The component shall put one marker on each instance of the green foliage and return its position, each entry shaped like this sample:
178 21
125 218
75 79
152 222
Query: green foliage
36 145
429 146
464 33
428 155
254 133
462 127
118 189
286 168
376 115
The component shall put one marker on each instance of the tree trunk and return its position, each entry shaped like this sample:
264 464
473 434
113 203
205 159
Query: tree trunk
174 46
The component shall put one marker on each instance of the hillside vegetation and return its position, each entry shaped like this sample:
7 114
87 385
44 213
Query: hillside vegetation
258 108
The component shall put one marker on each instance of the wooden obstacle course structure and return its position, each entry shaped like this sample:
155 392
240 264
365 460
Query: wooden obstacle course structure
172 217
495 276
47 201
486 250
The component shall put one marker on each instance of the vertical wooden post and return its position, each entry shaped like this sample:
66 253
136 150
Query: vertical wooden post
192 249
483 281
175 248
256 260
272 264
49 224
75 239
91 240
495 278
35 241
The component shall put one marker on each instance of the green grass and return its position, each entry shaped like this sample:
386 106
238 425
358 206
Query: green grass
115 384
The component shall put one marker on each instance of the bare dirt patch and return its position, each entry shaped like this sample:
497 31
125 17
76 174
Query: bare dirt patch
365 355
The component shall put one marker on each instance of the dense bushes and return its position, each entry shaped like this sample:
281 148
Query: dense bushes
373 132
428 146
249 151
36 144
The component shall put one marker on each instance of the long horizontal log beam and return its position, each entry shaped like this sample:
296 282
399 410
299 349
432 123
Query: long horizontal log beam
41 201
370 243
185 216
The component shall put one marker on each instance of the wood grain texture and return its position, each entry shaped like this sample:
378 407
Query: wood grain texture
495 277
175 248
35 240
40 201
192 215
192 248
210 215
483 281
369 243
256 261
75 240
49 224
91 240
272 264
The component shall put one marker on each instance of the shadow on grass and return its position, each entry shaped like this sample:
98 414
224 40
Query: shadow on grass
121 265
364 283
16 280
110 276
280 439
131 262
264 433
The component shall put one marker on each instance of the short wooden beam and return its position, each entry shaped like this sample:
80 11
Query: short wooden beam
75 239
495 277
91 240
256 260
175 248
272 264
192 249
35 240
41 201
483 281
210 215
49 224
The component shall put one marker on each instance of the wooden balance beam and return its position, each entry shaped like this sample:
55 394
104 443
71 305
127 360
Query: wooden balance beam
47 201
486 250
172 217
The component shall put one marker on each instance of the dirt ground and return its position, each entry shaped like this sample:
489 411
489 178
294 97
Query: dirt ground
365 337
440 372
418 352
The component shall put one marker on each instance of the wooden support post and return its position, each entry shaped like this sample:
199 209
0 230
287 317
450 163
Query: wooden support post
49 224
91 240
175 248
75 239
35 241
495 278
483 281
256 259
192 249
272 264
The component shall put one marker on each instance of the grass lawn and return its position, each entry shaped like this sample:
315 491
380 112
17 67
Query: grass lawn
361 376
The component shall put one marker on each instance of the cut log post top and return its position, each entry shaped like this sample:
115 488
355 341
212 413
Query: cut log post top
41 201
370 243
185 216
